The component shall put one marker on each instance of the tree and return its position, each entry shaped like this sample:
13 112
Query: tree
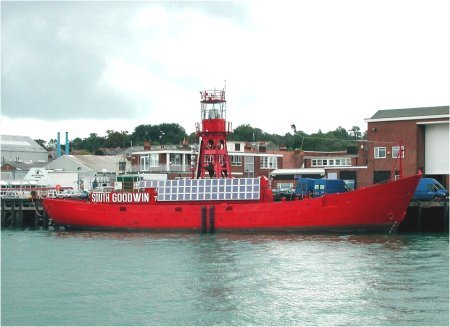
171 133
294 128
243 133
41 143
159 134
94 142
355 130
116 139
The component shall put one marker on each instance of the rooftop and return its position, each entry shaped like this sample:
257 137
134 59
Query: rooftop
86 162
20 144
423 112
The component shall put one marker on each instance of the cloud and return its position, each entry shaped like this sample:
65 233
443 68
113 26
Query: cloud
317 64
103 59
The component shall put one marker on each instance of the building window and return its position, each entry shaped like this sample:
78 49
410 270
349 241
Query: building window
395 150
154 160
331 162
175 158
380 152
236 160
268 163
237 146
285 186
144 163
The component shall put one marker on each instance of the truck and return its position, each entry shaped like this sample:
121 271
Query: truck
307 187
329 186
304 187
430 189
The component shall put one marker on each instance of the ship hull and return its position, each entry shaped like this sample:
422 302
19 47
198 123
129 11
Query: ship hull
379 208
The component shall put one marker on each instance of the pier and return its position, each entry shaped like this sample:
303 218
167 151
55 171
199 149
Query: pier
429 216
23 213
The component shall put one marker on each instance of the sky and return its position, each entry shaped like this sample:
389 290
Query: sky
88 67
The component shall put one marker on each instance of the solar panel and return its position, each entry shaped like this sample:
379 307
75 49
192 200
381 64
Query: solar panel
207 189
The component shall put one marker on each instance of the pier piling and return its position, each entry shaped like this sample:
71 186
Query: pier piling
3 214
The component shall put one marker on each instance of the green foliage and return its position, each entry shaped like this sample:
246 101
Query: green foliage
159 134
173 133
41 142
156 134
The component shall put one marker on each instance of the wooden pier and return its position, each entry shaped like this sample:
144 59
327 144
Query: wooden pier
430 216
23 213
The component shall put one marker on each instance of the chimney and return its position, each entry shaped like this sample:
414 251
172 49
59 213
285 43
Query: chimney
58 145
67 143
147 146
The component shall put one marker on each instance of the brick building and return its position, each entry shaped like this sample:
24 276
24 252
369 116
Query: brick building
175 162
350 165
424 134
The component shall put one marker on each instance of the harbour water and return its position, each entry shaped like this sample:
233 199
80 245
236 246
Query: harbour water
95 278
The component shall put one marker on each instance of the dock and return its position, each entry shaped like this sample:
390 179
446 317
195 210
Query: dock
17 213
426 217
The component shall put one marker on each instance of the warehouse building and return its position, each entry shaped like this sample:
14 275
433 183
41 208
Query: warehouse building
17 148
422 132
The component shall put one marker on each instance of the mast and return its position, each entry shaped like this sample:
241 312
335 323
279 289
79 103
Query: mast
213 160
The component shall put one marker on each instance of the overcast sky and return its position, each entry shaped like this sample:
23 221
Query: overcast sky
86 67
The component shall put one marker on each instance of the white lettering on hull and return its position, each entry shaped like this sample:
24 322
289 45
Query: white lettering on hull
120 197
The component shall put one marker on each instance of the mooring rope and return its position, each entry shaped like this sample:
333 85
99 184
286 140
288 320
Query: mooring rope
34 206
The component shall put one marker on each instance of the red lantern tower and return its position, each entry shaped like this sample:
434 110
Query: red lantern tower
213 160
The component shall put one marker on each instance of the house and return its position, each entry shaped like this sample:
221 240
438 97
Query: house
348 165
177 162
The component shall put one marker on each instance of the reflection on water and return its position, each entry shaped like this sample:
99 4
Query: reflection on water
113 278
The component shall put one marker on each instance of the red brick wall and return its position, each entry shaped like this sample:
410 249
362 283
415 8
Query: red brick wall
389 134
409 133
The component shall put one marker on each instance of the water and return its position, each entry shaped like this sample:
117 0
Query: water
88 278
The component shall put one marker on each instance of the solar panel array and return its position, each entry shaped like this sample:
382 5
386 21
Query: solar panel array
206 189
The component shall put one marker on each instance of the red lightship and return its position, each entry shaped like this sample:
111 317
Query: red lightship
213 201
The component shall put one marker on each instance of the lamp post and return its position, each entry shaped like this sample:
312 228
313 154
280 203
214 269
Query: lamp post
122 164
104 177
78 178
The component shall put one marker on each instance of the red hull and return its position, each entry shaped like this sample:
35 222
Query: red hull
378 208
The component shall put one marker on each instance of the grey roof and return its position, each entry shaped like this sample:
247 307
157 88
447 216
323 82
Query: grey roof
411 112
19 144
86 163
26 165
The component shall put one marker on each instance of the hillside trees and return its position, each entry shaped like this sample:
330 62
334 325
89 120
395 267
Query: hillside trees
173 133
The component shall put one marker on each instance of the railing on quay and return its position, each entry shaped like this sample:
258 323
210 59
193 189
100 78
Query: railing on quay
161 168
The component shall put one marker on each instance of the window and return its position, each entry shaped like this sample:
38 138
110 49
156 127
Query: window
236 160
285 185
175 158
268 163
237 147
144 163
331 162
154 160
395 150
379 152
